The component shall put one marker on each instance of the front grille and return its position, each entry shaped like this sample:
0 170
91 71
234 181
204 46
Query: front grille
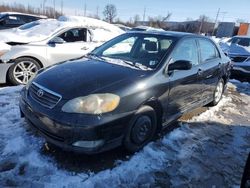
44 96
239 59
47 133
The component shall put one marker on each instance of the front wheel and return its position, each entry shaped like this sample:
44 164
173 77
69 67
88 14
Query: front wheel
218 92
141 130
22 70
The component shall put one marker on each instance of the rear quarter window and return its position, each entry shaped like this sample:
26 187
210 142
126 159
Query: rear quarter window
208 50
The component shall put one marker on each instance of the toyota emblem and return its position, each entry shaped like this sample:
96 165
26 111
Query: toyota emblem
40 93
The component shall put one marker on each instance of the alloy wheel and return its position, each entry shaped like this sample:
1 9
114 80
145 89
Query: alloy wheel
218 92
24 70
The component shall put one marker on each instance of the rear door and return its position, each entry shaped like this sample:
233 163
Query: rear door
75 46
185 85
210 65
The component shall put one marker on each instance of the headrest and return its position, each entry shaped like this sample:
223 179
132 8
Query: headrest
150 46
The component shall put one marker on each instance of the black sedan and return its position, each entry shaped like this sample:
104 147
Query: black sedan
125 91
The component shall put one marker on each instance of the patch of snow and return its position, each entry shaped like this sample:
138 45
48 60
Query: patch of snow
203 151
220 40
4 47
210 115
45 28
14 145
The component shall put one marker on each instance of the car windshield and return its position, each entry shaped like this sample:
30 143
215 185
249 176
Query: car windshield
143 50
29 25
241 41
2 15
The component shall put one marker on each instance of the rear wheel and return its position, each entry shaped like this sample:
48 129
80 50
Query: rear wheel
218 92
142 129
22 70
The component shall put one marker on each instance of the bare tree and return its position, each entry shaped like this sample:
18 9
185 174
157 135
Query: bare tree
109 12
205 24
47 11
239 20
159 21
136 19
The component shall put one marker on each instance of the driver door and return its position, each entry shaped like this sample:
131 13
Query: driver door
186 86
74 46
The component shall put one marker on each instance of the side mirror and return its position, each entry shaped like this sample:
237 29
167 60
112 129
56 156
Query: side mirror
180 65
56 40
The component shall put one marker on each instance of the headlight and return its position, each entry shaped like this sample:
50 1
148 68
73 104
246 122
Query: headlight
92 104
3 52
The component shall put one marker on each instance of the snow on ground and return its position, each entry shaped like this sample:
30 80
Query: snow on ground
218 40
208 150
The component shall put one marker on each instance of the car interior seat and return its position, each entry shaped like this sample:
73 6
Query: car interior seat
69 37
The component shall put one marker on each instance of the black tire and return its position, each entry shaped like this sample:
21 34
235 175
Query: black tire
17 68
216 99
141 130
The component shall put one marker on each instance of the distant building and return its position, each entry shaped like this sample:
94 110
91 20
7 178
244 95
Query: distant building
225 29
244 29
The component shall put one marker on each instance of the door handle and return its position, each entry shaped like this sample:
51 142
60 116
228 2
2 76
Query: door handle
84 48
200 71
219 65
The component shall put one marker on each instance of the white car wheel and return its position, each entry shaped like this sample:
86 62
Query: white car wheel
23 70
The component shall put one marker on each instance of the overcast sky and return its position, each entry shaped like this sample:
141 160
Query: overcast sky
230 10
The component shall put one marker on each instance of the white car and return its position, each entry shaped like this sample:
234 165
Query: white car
45 42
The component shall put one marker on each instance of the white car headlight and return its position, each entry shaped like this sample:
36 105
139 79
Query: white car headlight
92 104
3 52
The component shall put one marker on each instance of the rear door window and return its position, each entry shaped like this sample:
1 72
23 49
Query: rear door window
208 50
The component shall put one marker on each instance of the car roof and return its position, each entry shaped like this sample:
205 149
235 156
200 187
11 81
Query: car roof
19 13
168 33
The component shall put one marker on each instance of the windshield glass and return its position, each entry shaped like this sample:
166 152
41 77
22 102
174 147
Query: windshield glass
2 15
29 25
241 41
136 49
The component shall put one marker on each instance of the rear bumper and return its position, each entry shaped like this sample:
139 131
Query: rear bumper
64 134
3 71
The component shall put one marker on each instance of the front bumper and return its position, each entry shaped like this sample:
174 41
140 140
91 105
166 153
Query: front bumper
240 71
64 132
4 67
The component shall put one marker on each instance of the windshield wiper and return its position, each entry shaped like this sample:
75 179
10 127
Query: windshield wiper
94 56
136 64
130 63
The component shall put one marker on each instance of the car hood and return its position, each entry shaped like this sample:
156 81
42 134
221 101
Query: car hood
85 76
235 50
